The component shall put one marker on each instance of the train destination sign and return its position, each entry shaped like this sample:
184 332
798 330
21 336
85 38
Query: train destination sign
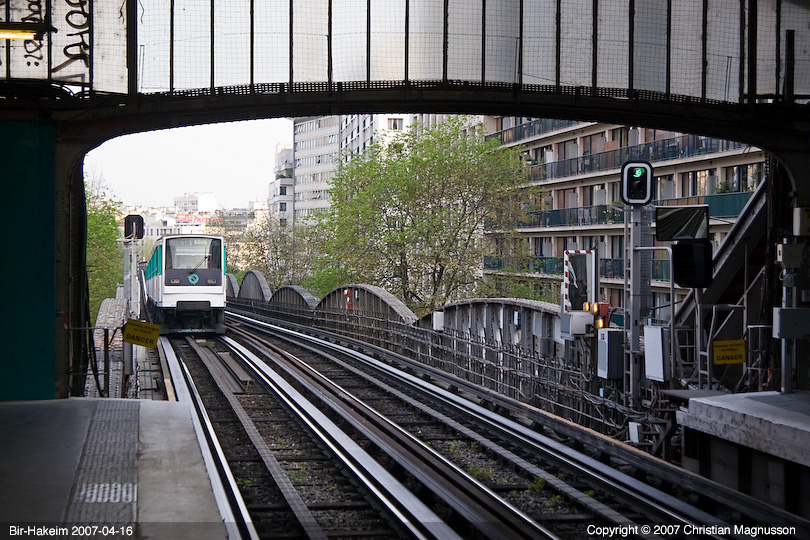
729 352
141 333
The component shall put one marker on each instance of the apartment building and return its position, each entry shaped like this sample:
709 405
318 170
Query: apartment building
315 145
578 165
319 140
281 191
197 202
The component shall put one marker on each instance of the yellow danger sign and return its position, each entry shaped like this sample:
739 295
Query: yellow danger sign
729 352
141 333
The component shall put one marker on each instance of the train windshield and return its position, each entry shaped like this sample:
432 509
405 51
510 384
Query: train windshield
193 253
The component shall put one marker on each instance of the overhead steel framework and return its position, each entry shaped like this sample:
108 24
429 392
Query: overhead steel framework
707 50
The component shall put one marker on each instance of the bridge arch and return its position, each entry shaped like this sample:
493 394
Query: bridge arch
732 70
255 287
356 298
294 297
231 286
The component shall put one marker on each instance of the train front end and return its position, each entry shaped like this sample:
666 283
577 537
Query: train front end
189 296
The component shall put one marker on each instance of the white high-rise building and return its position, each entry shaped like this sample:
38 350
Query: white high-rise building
315 145
196 202
319 140
281 191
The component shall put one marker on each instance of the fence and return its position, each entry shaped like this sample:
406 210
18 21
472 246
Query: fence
563 384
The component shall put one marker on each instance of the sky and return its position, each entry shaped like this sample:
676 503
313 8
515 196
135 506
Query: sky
234 161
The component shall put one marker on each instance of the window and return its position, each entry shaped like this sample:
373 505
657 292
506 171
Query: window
193 253
743 177
567 149
664 187
282 190
395 124
282 207
593 144
695 183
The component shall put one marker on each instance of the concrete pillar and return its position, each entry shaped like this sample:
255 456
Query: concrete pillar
70 251
44 219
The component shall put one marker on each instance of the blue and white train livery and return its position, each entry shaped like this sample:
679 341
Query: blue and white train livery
185 283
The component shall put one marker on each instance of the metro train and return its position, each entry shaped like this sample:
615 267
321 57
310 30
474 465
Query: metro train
185 284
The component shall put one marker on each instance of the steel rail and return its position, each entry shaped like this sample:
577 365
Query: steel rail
665 506
483 509
735 501
305 518
420 520
590 503
229 500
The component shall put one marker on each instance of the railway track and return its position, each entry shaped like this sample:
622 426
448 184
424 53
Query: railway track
567 492
317 440
274 490
475 510
299 475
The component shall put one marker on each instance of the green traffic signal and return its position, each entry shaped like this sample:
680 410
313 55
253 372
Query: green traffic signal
636 182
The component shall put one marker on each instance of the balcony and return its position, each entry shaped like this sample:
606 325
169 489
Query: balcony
570 217
614 269
553 266
684 146
722 205
532 129
726 205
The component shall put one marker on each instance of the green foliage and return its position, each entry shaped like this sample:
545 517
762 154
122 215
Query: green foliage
242 483
280 251
537 485
724 187
105 263
408 214
298 476
510 286
481 473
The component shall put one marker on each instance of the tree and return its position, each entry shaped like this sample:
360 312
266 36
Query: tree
105 259
409 213
280 251
234 231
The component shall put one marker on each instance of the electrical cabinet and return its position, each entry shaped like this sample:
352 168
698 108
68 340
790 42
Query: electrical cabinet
610 353
656 353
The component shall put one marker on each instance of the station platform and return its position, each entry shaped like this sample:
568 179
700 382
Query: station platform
755 443
128 466
106 463
770 422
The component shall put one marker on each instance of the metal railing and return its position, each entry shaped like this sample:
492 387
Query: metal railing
723 205
546 381
528 130
553 266
683 146
581 216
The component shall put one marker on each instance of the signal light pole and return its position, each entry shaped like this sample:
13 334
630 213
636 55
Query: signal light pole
636 192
